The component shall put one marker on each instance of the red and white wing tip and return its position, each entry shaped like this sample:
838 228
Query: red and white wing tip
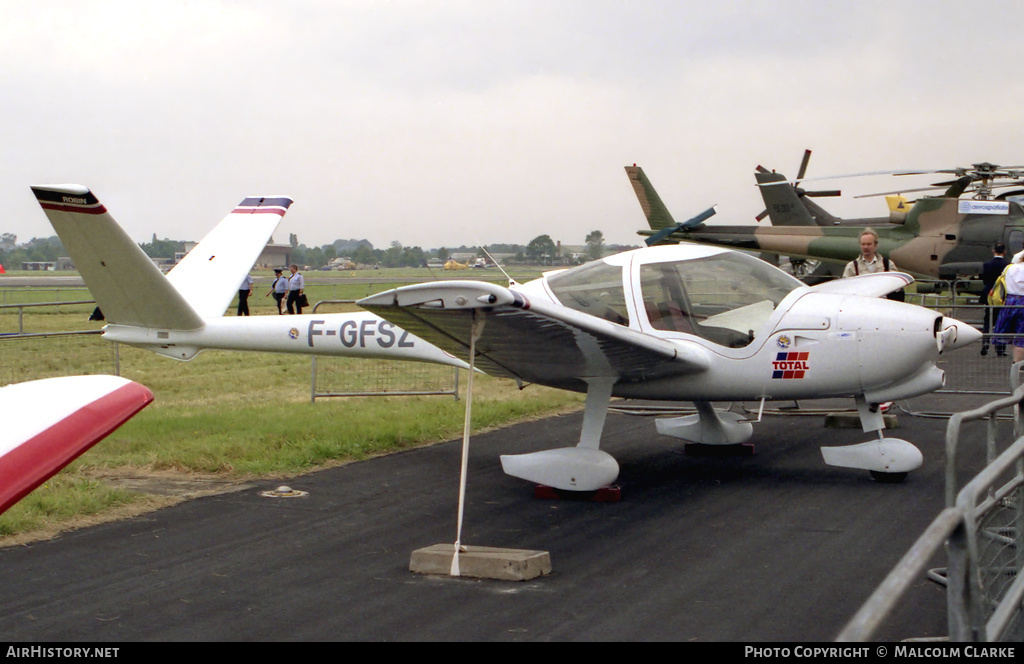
51 422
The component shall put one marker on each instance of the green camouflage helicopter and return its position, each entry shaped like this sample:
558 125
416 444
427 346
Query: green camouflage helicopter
939 237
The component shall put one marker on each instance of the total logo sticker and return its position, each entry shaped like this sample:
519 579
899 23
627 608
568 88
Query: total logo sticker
790 365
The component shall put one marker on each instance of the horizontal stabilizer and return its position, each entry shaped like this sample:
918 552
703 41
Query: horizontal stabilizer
209 276
127 286
130 289
55 420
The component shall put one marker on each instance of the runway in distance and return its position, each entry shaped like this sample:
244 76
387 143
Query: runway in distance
938 237
51 422
673 323
182 313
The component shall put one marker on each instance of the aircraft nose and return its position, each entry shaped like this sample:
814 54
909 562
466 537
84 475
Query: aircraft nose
953 334
898 345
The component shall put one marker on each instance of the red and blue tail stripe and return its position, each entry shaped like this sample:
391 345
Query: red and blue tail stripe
263 205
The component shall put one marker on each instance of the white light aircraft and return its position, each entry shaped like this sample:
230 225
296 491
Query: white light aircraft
677 323
689 323
182 313
54 421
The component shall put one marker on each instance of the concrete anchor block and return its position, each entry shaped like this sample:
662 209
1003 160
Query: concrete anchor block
482 562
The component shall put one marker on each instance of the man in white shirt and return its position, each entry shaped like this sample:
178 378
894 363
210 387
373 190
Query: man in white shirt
869 261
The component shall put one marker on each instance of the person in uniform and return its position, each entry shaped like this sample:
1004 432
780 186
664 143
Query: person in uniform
296 284
278 289
990 271
244 291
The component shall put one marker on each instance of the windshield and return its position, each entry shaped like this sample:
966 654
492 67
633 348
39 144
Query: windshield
725 298
595 289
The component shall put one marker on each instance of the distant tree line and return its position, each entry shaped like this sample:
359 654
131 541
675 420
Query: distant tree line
542 249
38 249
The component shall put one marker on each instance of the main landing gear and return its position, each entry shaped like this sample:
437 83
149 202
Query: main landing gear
586 467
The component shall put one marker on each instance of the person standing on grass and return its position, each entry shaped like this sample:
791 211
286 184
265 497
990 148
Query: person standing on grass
278 289
296 284
244 291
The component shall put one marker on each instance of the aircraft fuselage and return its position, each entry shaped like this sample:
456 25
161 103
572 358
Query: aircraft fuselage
356 334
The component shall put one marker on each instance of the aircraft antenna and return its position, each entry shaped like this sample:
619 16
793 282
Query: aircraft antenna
511 282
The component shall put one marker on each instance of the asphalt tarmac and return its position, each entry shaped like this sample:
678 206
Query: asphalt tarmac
773 547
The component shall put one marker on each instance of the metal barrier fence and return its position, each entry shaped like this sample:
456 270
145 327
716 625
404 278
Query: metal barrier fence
20 308
11 294
982 528
333 376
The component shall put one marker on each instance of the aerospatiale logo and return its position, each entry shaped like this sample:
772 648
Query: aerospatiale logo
790 365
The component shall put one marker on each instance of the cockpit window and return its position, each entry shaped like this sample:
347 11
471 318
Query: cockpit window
595 289
725 298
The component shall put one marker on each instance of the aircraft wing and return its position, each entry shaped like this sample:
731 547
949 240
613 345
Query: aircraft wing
53 421
532 341
877 284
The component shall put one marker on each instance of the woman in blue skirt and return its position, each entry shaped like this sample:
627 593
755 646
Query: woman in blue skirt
1011 317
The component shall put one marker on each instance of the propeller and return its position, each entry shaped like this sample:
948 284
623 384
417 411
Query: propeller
796 183
689 224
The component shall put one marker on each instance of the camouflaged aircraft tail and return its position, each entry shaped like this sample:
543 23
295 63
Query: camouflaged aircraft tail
658 216
784 205
821 216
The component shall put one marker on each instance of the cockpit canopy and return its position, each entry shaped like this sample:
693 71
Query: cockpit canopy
722 296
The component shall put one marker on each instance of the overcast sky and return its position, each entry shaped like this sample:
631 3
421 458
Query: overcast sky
463 122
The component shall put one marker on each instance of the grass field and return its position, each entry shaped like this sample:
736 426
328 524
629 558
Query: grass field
228 415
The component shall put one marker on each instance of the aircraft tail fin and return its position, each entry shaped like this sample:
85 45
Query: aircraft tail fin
128 287
209 275
658 216
783 204
898 208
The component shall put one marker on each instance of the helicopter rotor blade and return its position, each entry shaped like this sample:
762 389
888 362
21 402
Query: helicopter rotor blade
803 166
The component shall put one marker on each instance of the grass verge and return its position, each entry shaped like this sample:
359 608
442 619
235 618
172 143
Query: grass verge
231 415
